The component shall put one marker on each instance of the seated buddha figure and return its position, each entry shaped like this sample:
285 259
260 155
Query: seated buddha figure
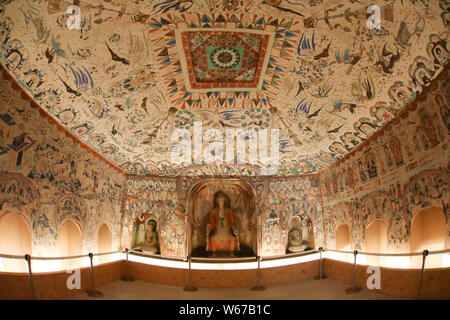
295 242
151 238
221 234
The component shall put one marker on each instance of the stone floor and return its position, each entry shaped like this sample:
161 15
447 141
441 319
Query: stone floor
301 290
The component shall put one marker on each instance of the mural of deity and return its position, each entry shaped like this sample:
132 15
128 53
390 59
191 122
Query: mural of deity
394 144
371 165
362 173
429 129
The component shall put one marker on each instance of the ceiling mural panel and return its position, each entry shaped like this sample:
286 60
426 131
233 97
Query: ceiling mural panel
136 70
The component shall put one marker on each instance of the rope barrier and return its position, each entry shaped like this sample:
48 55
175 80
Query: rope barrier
127 278
8 256
353 289
93 293
189 287
284 256
106 253
258 277
391 254
424 256
30 274
321 276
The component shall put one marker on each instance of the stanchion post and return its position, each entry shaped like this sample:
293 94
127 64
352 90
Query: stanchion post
127 278
353 289
321 276
189 287
93 293
30 274
424 256
258 286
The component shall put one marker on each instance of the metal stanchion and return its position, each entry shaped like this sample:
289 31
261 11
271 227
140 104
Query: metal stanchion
321 276
93 293
424 256
126 277
30 273
353 289
189 287
258 286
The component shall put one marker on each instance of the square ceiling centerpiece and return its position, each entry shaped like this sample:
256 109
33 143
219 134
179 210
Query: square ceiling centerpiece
221 59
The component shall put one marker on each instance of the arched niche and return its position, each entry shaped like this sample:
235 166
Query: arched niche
72 207
428 233
104 242
242 200
376 235
70 243
343 238
146 233
339 214
15 239
298 215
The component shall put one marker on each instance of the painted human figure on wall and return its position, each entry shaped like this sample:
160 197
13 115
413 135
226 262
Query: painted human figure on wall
387 153
371 165
394 144
445 111
221 233
362 174
334 182
429 129
351 177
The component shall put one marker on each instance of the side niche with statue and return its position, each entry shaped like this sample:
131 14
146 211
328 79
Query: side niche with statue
300 236
146 237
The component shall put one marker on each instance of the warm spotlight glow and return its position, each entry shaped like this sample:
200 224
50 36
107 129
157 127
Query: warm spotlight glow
446 260
158 262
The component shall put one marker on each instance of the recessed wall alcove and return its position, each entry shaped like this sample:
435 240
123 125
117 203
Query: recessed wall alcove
343 238
428 233
70 243
104 242
242 204
376 241
15 239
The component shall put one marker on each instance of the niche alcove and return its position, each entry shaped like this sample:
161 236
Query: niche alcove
146 234
428 232
15 239
104 242
343 239
376 241
70 243
239 203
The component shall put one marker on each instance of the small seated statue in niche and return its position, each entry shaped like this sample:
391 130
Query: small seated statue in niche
221 233
295 242
151 238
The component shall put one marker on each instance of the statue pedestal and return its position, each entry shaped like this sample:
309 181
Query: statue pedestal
223 254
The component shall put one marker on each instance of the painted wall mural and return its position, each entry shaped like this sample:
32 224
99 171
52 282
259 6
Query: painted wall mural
329 83
267 209
119 82
409 173
48 179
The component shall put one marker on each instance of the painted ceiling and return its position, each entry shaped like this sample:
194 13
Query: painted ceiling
137 70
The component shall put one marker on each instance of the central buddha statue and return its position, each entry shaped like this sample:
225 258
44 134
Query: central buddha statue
221 233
